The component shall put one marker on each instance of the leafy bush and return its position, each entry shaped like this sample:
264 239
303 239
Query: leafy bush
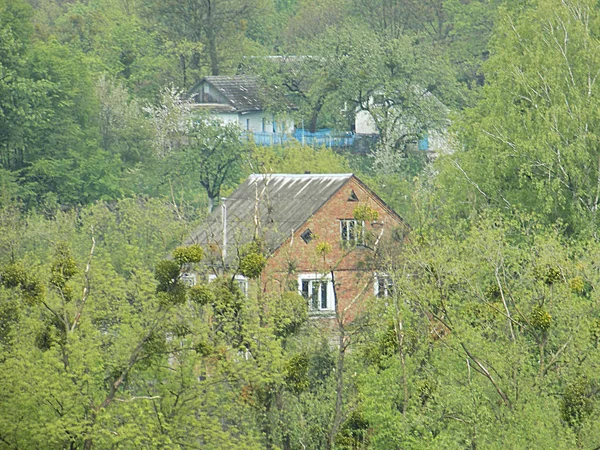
63 266
252 265
187 255
201 294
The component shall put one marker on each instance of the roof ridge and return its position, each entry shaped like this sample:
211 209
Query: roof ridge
300 175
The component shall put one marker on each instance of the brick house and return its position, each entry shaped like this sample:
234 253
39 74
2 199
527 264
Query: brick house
321 234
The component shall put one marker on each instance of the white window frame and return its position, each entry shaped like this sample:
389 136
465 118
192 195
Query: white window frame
312 286
352 231
241 280
188 279
388 285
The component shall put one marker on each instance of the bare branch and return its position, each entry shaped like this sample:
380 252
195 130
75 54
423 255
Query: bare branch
86 284
132 399
469 179
488 375
512 331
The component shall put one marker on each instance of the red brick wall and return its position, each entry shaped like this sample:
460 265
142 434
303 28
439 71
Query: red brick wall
352 270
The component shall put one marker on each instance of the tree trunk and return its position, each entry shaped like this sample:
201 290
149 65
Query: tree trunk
339 375
339 390
315 114
212 50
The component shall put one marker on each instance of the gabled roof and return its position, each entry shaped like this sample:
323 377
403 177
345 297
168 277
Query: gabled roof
241 91
275 205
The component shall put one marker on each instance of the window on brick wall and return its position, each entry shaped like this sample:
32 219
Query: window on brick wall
188 279
318 291
383 285
307 235
352 231
241 281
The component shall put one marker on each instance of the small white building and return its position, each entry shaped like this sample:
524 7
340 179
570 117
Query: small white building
240 99
432 140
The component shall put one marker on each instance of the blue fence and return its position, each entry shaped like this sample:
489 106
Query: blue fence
324 137
266 139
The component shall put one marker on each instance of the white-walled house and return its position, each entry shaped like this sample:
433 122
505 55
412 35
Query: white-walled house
240 99
432 140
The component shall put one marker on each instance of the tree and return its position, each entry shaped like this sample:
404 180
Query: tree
215 24
403 84
214 154
531 142
479 335
124 130
201 148
18 92
99 333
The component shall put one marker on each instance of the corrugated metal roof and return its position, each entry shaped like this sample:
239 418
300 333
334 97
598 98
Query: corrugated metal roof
214 107
242 91
270 207
244 94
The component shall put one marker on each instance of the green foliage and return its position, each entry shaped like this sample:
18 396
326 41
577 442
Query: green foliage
385 347
485 347
540 319
167 274
33 290
576 404
365 213
353 432
201 294
228 308
295 158
547 274
288 314
170 289
296 373
323 248
13 275
595 332
118 352
212 154
187 255
63 267
527 143
252 265
577 284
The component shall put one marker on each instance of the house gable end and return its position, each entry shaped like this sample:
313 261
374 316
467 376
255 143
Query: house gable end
324 225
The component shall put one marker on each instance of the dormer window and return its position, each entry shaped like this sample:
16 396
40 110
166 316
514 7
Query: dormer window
352 231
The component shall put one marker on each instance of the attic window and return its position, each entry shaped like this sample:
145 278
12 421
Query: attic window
352 197
307 236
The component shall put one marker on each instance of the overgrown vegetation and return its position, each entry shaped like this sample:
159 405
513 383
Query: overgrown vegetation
488 335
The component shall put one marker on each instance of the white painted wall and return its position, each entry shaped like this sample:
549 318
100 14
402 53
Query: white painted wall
227 118
253 122
364 123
